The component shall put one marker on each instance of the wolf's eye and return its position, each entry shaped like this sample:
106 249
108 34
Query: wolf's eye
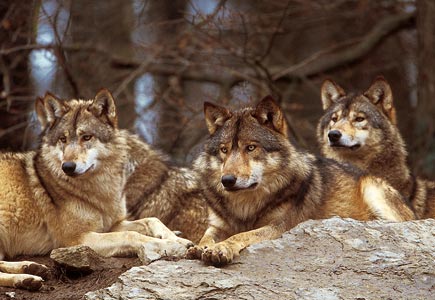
86 137
224 149
62 139
359 119
334 119
250 148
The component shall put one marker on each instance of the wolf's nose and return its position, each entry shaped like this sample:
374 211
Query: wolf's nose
334 135
228 180
69 167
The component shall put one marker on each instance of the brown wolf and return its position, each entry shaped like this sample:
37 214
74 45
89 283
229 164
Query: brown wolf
71 191
258 184
362 129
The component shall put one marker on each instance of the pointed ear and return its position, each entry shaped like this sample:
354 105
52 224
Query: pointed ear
48 109
104 107
380 94
269 114
330 93
215 116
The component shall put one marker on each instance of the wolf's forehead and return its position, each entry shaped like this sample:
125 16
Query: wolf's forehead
243 127
77 119
351 104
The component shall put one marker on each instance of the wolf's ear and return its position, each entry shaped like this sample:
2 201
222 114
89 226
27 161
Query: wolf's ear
268 113
215 116
104 107
330 93
48 109
380 94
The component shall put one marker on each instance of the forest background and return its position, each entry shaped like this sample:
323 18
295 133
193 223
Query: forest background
163 58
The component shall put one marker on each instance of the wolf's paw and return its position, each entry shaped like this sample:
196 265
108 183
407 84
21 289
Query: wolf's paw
36 269
188 244
219 254
194 252
28 282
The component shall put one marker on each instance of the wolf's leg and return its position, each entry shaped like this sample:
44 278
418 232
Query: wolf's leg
21 281
129 242
224 252
211 236
24 267
384 201
151 227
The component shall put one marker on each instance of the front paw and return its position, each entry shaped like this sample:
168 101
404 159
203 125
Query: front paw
194 252
219 254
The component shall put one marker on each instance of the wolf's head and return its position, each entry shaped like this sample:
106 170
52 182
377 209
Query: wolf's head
75 133
245 147
356 122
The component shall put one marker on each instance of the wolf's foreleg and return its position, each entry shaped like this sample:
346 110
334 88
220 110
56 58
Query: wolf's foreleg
151 227
224 252
124 243
210 237
384 201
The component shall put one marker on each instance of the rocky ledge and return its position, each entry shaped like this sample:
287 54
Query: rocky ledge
328 259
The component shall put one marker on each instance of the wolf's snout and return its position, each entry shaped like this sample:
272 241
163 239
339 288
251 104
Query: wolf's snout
69 167
334 136
228 181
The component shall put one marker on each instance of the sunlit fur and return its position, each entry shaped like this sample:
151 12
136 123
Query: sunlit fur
383 153
291 185
42 208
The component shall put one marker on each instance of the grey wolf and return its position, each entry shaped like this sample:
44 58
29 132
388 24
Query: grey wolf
155 188
258 184
71 191
361 129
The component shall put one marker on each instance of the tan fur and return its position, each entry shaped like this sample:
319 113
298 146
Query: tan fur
280 186
172 194
43 207
384 153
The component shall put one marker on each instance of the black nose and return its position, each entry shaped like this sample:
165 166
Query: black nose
334 135
69 167
228 180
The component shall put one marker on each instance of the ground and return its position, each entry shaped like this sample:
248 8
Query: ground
60 286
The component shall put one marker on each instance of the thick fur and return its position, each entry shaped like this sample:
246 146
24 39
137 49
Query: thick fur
371 140
172 194
71 191
259 185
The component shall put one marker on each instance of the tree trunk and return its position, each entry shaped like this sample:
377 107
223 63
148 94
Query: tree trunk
103 24
424 153
15 85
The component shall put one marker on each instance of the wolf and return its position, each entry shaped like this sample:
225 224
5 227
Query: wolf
155 188
361 129
71 191
258 184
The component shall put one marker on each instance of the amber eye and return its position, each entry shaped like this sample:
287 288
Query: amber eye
250 148
334 119
62 139
359 119
86 137
224 149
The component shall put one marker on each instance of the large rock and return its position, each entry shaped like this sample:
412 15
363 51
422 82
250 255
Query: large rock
329 259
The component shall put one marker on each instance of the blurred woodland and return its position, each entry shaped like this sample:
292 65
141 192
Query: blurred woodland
161 59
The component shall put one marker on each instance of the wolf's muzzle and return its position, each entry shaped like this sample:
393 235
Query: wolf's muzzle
334 136
228 181
69 167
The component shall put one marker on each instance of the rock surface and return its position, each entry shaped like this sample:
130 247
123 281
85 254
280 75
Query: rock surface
329 259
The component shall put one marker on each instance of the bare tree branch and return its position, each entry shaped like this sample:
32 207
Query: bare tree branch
337 59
